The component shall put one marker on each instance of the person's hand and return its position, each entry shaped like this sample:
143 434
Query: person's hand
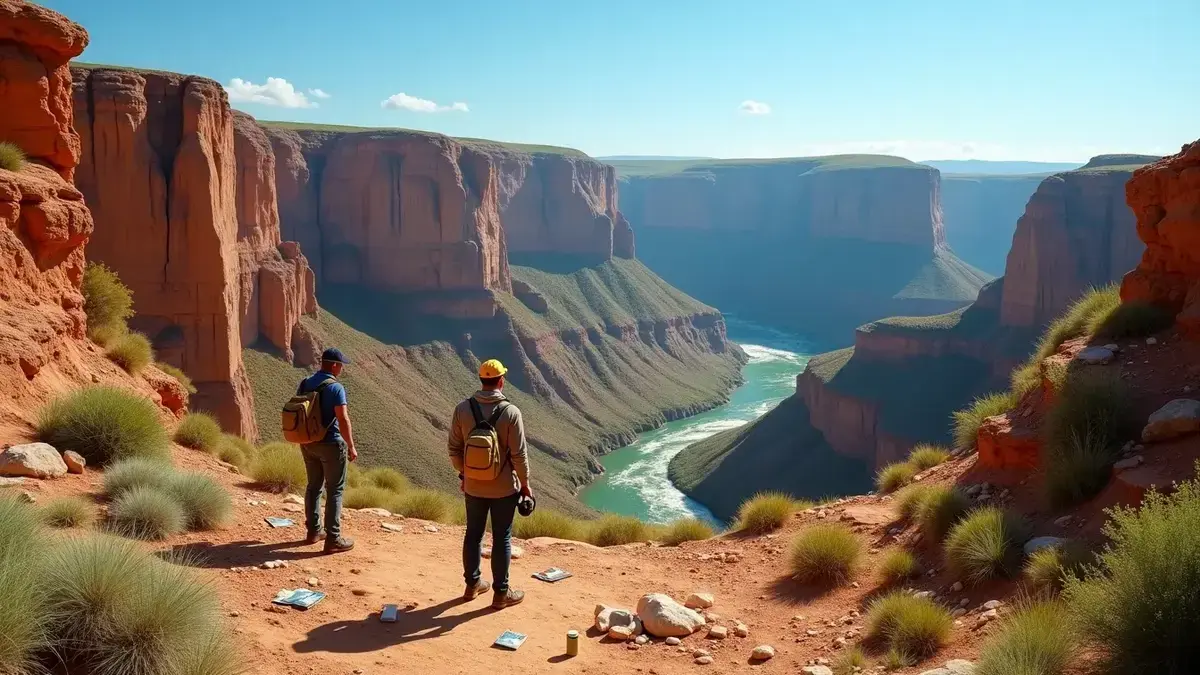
526 490
462 484
351 453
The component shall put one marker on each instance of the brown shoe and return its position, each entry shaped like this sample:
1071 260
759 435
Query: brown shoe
507 599
477 589
338 545
314 538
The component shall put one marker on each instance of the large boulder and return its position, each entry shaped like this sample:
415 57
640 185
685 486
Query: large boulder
37 460
664 617
1177 418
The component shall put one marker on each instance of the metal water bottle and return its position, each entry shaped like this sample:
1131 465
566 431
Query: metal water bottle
572 643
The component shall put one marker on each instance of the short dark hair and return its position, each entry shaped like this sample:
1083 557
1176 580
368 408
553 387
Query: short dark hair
490 382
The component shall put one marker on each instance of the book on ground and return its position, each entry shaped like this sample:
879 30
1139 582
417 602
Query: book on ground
279 522
300 597
553 574
510 639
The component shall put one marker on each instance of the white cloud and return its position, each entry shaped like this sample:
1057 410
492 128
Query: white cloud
403 101
754 107
319 93
277 91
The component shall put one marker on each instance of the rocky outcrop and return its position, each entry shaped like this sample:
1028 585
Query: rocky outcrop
1165 197
981 212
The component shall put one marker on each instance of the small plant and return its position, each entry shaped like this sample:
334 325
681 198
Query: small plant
1133 320
825 554
898 565
12 157
387 479
146 513
547 523
927 456
614 530
985 545
128 474
22 612
206 505
685 529
68 512
1085 429
1047 569
199 431
941 507
968 421
1139 606
895 659
280 468
425 505
765 512
184 380
1083 317
911 626
132 351
369 497
895 476
850 662
355 476
104 424
107 302
910 500
1036 640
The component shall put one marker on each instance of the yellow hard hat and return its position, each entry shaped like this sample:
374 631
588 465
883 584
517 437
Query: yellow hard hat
491 369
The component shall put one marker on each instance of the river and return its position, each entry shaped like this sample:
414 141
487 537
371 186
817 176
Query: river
635 480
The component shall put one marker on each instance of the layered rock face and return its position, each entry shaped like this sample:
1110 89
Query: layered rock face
981 213
1165 196
188 227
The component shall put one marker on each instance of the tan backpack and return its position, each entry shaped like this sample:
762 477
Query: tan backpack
302 417
481 453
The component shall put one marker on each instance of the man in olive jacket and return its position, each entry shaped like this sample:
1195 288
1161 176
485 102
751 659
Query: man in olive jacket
497 497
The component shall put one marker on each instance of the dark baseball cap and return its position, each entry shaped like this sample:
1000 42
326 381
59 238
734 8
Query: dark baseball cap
334 355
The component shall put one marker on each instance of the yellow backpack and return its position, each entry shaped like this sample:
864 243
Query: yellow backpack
481 454
302 417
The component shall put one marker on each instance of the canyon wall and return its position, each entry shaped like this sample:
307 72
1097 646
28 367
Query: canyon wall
981 212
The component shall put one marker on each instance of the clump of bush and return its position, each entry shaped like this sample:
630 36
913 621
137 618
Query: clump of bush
894 476
898 565
985 545
825 554
206 505
132 351
107 302
927 456
104 424
22 613
685 529
851 661
135 472
184 380
426 505
67 512
547 523
1084 317
235 450
12 157
910 500
1036 640
200 431
614 530
913 628
369 497
765 512
1138 607
940 509
968 420
1047 569
146 513
1134 319
280 468
1085 429
387 479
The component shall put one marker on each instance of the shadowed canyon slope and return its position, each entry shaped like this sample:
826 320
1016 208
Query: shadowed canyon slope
818 245
903 377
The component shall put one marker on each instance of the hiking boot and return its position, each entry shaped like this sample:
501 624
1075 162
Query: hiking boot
338 545
477 589
507 598
314 537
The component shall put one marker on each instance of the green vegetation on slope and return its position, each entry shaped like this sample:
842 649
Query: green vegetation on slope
579 396
481 143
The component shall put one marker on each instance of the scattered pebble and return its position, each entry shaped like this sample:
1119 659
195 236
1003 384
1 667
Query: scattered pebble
741 630
992 604
704 660
360 591
700 653
641 639
673 641
957 587
718 633
763 653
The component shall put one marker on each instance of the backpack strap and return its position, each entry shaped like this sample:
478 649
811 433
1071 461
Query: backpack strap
497 413
476 411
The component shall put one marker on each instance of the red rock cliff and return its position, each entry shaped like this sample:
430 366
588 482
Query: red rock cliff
1165 197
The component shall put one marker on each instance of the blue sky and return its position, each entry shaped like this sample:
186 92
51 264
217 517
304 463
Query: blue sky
1049 80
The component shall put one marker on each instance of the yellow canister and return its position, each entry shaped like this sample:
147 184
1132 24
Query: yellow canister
572 643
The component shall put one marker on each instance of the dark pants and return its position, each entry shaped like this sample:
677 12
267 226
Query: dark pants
326 464
502 510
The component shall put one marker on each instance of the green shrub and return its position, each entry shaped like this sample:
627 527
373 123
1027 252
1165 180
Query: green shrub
1091 418
369 497
910 499
895 659
280 468
825 554
12 157
128 474
119 611
546 522
425 505
105 336
211 653
107 302
914 628
146 513
897 566
926 456
104 424
387 479
685 529
1083 317
178 374
940 509
456 513
206 505
968 421
614 530
985 545
1036 640
21 574
894 476
199 430
765 512
1134 319
1139 606
355 475
67 512
132 351
850 662
1047 569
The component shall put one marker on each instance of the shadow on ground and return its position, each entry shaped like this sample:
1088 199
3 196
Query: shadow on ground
370 634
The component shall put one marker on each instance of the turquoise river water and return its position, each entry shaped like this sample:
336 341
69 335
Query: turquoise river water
635 480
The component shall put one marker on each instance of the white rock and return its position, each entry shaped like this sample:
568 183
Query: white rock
816 670
392 527
741 630
990 615
700 601
1038 543
74 461
35 460
1112 347
1130 463
673 641
763 653
992 604
294 499
431 528
960 667
621 633
704 660
517 552
641 639
1177 418
663 616
1095 356
382 513
718 632
607 617
701 652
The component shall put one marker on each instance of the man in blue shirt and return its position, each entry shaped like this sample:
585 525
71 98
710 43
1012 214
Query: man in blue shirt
328 461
